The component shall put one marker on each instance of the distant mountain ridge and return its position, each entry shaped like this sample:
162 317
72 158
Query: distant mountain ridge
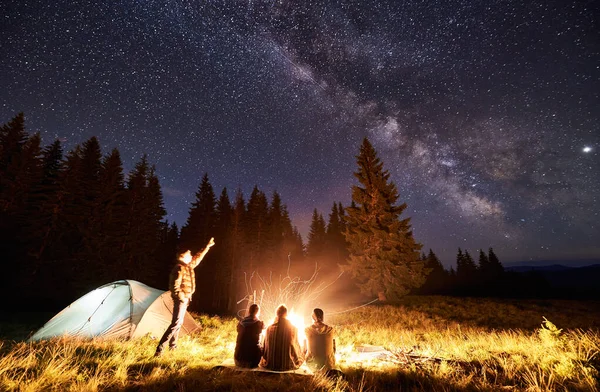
553 267
584 279
565 264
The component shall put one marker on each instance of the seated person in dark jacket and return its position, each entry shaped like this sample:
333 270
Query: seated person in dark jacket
247 347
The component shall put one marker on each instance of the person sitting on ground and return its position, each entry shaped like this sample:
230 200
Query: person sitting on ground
321 342
247 347
281 348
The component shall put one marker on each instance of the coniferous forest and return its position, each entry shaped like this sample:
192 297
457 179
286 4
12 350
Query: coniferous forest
71 221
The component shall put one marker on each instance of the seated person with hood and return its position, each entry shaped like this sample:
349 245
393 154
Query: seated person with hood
281 348
321 343
247 347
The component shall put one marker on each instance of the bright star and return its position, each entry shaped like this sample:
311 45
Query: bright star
587 149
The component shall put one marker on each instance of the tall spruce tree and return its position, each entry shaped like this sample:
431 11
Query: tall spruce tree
199 228
20 172
46 206
237 245
335 241
466 271
276 230
223 272
167 252
144 226
292 249
384 256
113 213
201 221
257 231
317 237
496 268
437 279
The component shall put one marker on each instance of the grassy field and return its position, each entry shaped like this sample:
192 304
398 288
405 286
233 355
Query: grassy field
432 344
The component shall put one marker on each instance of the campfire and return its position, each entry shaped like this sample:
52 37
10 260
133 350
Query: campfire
300 296
297 294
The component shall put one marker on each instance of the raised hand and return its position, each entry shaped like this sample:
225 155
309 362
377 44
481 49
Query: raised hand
211 242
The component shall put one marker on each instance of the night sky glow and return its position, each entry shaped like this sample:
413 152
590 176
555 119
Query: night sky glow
486 114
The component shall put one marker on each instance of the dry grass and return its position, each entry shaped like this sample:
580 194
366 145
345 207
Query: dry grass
428 347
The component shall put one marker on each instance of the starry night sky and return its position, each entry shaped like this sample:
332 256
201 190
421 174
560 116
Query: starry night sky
486 113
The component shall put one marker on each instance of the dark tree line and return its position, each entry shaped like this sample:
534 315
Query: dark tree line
487 277
253 236
72 222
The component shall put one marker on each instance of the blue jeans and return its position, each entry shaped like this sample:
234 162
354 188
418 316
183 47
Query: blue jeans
172 332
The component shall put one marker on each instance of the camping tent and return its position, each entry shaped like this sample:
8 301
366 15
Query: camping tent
122 309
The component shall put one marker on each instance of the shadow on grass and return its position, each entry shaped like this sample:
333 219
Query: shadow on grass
354 380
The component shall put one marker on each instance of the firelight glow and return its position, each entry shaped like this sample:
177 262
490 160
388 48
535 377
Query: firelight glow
297 321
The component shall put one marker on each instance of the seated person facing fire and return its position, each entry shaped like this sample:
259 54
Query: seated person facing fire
281 347
321 342
247 347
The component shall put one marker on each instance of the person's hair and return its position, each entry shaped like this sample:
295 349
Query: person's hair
281 311
318 314
253 310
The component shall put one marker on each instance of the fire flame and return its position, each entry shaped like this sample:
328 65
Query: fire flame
297 321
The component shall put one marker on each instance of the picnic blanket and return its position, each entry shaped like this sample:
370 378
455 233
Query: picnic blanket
230 364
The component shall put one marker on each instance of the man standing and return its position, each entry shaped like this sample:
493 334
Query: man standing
321 342
281 349
247 347
182 284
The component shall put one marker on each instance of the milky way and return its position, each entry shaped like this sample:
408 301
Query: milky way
486 114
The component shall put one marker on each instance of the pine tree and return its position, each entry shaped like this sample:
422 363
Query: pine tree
12 139
39 226
47 205
113 210
437 279
466 271
167 252
153 226
20 173
384 257
257 231
496 268
200 225
298 244
223 272
90 268
335 241
132 247
276 231
67 245
292 249
317 238
196 233
144 225
484 263
237 246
